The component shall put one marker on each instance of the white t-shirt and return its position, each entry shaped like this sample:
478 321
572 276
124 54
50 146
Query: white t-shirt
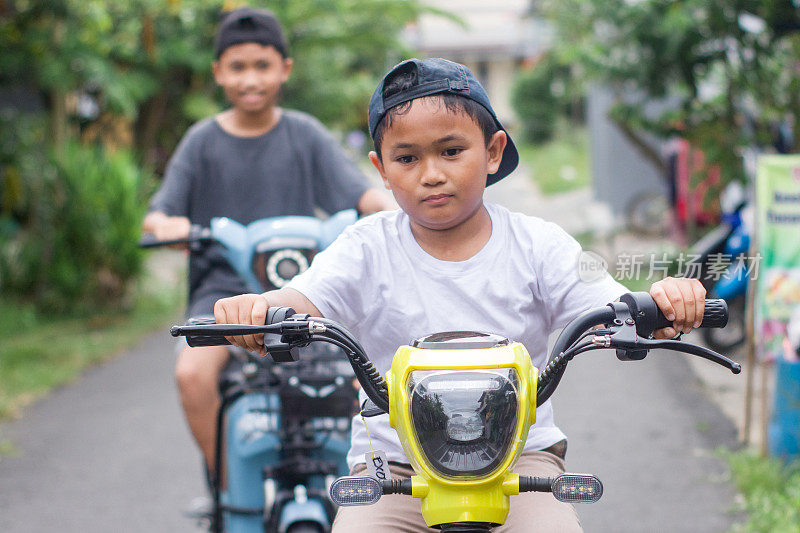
378 282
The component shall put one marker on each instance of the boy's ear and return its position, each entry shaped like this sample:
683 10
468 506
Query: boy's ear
495 150
215 71
288 63
376 162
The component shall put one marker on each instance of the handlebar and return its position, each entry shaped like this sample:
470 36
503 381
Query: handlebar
198 236
632 321
628 323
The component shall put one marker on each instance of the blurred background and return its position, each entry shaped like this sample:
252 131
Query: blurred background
632 117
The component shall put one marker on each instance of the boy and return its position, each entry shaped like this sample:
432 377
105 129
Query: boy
254 160
448 261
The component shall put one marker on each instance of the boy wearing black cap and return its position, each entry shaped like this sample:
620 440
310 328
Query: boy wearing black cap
448 261
254 160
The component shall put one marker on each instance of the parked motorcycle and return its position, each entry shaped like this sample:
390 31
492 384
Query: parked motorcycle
722 257
462 403
283 433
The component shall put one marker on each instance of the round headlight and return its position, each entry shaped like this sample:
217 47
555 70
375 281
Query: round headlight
283 265
464 421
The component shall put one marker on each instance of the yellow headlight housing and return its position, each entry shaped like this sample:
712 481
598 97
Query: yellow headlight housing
462 404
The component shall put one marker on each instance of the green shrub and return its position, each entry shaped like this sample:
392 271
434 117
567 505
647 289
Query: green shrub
535 104
771 491
80 219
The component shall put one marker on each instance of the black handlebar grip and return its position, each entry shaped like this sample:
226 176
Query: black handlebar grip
149 240
274 315
204 340
714 316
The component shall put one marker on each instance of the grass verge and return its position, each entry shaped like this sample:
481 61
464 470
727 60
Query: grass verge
561 164
770 490
40 352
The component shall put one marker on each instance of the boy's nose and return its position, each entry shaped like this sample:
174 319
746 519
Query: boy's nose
432 174
250 78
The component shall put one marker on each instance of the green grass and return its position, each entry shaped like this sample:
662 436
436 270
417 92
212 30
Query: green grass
770 490
559 165
39 352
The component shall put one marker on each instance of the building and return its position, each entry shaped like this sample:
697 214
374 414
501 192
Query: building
495 39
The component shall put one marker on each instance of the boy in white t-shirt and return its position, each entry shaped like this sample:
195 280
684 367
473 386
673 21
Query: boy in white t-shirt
448 261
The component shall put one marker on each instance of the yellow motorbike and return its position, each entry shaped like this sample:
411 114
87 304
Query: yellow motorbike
462 404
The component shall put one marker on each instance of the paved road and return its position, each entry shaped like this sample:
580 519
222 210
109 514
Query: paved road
108 453
111 452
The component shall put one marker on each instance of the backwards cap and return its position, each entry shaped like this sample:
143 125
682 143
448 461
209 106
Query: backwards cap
249 25
440 76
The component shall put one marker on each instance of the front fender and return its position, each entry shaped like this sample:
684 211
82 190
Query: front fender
311 510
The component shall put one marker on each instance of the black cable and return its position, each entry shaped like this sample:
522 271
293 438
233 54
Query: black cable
551 375
373 383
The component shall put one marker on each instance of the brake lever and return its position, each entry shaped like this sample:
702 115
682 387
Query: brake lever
693 349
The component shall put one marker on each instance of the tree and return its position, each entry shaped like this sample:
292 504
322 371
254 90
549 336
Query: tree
146 64
728 67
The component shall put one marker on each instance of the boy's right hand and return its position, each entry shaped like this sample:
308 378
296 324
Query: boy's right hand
171 228
165 227
244 309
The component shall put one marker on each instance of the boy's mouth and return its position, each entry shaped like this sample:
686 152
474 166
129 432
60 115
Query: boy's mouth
437 199
252 97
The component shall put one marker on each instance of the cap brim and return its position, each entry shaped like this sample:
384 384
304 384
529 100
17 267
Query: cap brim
507 164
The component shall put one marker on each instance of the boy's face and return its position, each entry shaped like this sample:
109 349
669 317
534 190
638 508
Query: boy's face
251 75
435 162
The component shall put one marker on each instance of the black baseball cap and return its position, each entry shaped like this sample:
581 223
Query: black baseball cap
436 76
250 25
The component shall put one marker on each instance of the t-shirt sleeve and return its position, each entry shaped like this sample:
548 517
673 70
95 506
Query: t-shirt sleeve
338 183
334 282
571 280
173 196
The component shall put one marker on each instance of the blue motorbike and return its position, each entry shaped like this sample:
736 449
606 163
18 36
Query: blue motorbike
722 255
283 430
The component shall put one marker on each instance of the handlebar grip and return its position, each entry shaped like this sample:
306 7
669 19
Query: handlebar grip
204 340
714 316
274 315
149 240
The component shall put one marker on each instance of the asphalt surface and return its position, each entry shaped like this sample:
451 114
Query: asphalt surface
649 432
111 452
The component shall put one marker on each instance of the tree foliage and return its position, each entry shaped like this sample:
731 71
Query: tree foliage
109 89
147 63
727 70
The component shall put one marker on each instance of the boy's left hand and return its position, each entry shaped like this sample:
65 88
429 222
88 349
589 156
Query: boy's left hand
682 301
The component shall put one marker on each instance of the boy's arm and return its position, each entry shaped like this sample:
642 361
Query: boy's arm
252 309
682 301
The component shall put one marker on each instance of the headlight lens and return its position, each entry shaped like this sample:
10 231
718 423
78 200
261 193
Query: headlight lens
464 421
275 268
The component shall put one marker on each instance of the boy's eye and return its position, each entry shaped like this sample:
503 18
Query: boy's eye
262 65
405 159
236 66
452 152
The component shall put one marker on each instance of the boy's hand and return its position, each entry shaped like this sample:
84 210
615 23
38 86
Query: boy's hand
682 301
167 228
171 228
244 309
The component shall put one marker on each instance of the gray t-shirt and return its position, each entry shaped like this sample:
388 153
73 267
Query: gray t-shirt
290 170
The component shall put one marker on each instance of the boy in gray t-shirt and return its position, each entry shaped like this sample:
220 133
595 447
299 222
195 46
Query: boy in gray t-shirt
254 160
